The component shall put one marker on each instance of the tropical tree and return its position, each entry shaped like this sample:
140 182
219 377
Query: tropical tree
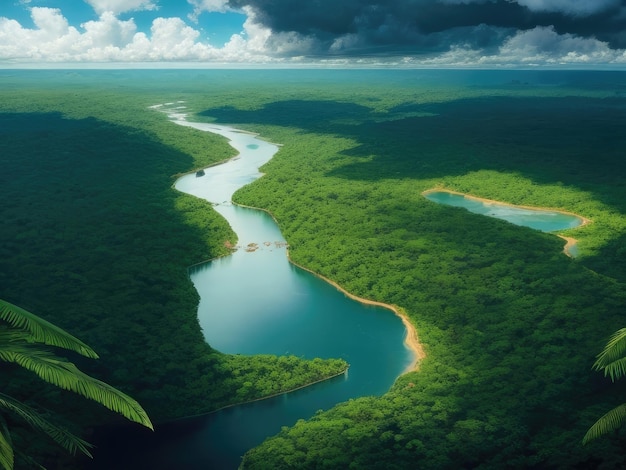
612 360
25 340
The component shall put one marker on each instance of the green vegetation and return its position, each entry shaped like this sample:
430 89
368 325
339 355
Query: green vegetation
508 322
23 341
94 235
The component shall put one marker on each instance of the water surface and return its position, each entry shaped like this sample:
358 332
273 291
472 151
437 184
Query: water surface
538 219
256 302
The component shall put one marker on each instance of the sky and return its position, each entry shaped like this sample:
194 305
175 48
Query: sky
401 33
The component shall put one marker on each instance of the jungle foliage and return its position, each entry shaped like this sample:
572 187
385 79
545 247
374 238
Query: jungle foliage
509 323
29 342
94 235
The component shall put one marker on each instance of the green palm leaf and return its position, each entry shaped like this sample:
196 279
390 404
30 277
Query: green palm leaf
607 423
23 341
612 358
67 376
41 330
58 434
6 447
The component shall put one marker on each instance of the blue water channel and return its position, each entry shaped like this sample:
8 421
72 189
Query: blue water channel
538 219
256 302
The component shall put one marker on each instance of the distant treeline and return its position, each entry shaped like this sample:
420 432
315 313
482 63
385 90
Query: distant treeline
511 326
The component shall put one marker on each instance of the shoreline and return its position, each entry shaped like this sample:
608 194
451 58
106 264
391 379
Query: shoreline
569 241
411 340
273 395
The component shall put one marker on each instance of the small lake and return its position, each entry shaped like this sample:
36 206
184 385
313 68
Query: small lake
538 219
256 302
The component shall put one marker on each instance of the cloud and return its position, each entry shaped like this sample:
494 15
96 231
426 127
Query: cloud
52 34
120 6
571 7
50 22
545 45
200 6
109 39
421 26
209 6
536 47
404 32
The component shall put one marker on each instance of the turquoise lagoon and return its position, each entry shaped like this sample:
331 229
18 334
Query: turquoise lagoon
538 219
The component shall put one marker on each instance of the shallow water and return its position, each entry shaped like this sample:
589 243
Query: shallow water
544 220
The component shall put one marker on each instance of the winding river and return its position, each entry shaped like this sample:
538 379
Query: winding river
256 302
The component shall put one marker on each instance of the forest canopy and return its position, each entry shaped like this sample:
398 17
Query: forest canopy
510 324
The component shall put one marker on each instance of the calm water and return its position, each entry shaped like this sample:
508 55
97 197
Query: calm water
256 302
546 221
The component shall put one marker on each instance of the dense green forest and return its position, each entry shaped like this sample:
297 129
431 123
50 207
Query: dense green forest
94 238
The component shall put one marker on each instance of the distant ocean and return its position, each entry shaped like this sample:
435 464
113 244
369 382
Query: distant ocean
151 78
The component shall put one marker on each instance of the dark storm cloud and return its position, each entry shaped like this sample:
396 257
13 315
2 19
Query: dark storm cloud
422 26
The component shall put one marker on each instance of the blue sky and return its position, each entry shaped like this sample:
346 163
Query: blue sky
216 27
403 33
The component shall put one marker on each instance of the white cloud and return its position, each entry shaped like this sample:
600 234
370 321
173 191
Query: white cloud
108 31
120 6
109 39
209 5
534 47
50 22
53 35
545 45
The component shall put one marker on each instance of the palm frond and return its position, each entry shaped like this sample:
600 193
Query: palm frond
41 330
67 376
61 436
7 458
611 359
607 423
616 369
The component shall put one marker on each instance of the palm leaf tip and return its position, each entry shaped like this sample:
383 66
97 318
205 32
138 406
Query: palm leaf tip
611 421
66 375
41 330
612 359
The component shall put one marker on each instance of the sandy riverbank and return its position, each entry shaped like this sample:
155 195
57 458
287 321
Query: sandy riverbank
411 339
